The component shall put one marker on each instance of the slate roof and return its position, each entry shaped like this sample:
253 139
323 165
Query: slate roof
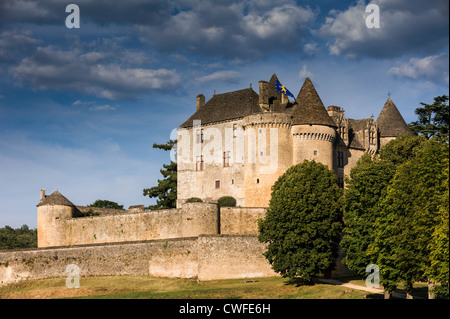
226 106
310 109
56 198
390 122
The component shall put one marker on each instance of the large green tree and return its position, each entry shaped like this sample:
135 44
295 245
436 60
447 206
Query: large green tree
433 119
365 189
303 223
409 217
166 190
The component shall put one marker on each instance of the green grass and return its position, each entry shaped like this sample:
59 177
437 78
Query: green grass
146 287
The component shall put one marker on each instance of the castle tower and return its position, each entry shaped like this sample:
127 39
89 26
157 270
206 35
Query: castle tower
51 210
390 123
313 130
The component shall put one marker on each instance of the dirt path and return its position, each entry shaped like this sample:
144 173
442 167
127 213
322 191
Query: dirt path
358 287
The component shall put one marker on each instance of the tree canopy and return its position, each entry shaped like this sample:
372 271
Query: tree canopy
433 119
102 203
22 237
303 223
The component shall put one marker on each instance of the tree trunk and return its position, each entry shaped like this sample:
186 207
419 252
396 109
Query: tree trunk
387 294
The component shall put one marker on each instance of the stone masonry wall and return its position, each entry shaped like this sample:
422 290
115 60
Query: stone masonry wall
206 257
240 220
192 219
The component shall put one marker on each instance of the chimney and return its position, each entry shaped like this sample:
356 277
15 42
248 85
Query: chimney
200 101
42 194
263 93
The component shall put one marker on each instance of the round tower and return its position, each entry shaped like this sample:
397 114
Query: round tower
52 212
313 131
268 154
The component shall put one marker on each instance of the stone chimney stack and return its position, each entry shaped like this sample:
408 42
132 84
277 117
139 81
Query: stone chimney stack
263 94
42 194
200 101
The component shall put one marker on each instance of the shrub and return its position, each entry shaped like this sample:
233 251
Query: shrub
194 200
227 201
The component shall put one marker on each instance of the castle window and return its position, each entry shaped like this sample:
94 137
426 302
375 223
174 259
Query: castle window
232 182
226 159
257 181
217 184
340 182
372 137
234 130
199 163
340 159
315 152
342 132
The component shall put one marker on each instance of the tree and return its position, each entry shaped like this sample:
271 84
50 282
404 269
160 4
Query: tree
166 190
101 203
365 189
402 149
303 223
408 217
22 237
438 270
433 119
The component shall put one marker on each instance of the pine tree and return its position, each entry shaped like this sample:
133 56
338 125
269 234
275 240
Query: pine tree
166 190
433 119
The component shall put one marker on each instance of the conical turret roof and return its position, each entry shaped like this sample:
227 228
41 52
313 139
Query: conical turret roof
56 198
310 109
390 122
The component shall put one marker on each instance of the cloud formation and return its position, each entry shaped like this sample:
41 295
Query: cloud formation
89 73
433 68
412 26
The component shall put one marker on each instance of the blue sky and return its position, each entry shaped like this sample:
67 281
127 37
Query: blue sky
80 108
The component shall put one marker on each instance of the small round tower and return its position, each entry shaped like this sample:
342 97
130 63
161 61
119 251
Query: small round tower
313 130
52 210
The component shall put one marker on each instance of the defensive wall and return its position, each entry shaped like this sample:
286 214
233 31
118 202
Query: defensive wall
198 240
62 225
205 257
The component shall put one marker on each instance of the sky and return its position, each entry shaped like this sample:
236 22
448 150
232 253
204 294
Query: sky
80 108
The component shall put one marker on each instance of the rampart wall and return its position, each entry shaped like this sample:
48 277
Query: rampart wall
191 220
204 257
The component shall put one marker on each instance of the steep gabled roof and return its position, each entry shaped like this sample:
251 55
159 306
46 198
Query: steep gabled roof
56 198
226 106
310 109
390 122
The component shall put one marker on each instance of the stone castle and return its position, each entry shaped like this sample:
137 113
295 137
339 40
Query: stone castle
236 144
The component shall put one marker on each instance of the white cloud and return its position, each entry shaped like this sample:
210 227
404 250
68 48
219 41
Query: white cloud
433 68
51 68
305 73
105 107
405 27
220 76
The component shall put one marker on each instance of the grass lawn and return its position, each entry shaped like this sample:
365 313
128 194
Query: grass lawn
146 287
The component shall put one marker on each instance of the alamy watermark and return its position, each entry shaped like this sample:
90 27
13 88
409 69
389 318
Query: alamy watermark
373 279
73 19
211 145
73 279
373 19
